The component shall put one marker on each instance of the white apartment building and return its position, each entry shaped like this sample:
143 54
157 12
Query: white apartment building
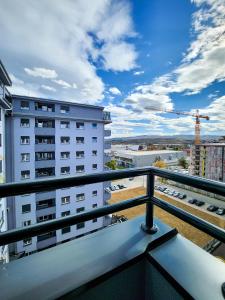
51 138
4 106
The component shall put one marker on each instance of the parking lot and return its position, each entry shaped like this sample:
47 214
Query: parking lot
141 182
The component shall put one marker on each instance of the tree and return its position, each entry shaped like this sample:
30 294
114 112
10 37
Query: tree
160 164
111 164
183 162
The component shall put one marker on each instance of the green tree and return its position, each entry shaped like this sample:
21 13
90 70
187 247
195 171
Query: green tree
183 162
111 164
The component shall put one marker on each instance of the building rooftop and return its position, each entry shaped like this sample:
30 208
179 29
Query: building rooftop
56 101
145 153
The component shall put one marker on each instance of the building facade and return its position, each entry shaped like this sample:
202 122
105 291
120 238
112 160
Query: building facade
47 138
4 107
207 160
131 159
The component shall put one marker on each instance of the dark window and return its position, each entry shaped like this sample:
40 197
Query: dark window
65 213
25 174
46 236
94 139
80 225
65 139
80 197
80 125
94 166
26 208
40 139
94 125
94 205
94 220
80 209
44 156
65 200
94 152
66 230
45 123
44 172
25 157
94 193
24 122
65 170
65 155
64 124
24 105
80 140
27 241
44 106
80 169
24 140
79 154
64 109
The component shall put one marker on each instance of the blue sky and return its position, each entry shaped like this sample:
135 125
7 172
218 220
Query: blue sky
128 56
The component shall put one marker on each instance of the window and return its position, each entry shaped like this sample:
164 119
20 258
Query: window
80 197
79 154
64 124
27 242
80 125
80 209
24 105
27 223
25 157
25 174
64 109
44 156
65 213
94 220
46 236
39 139
94 205
65 200
64 155
80 140
65 170
94 139
44 172
24 140
24 123
94 152
80 225
94 193
44 123
26 208
94 125
94 166
80 169
45 218
44 106
65 139
66 230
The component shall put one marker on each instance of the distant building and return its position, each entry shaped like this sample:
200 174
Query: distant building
129 158
208 160
4 106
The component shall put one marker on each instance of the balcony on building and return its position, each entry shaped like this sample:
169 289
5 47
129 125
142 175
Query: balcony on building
107 133
44 159
107 117
142 258
44 143
44 172
44 218
46 107
44 126
44 204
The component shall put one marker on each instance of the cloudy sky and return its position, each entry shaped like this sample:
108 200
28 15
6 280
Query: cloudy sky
129 56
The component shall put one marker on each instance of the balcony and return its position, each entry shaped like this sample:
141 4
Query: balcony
107 133
107 117
44 172
139 259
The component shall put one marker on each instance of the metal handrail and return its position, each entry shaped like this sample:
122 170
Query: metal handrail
12 189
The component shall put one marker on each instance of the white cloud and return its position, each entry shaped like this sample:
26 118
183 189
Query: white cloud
48 88
63 83
41 72
115 91
64 40
139 73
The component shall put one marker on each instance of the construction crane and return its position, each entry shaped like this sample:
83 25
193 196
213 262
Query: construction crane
196 115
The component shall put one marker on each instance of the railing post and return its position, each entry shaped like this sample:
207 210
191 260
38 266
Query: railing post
149 226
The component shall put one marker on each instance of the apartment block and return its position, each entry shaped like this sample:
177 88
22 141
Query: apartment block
51 138
207 160
4 107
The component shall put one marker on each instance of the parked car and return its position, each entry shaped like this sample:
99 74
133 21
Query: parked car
117 187
192 201
122 186
107 190
220 211
112 188
181 196
199 203
212 208
131 178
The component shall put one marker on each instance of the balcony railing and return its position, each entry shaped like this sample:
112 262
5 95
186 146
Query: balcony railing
12 189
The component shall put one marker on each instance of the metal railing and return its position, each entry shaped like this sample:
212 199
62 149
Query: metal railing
13 189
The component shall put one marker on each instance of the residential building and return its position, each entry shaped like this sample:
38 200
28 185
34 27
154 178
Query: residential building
4 106
51 138
207 160
129 158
